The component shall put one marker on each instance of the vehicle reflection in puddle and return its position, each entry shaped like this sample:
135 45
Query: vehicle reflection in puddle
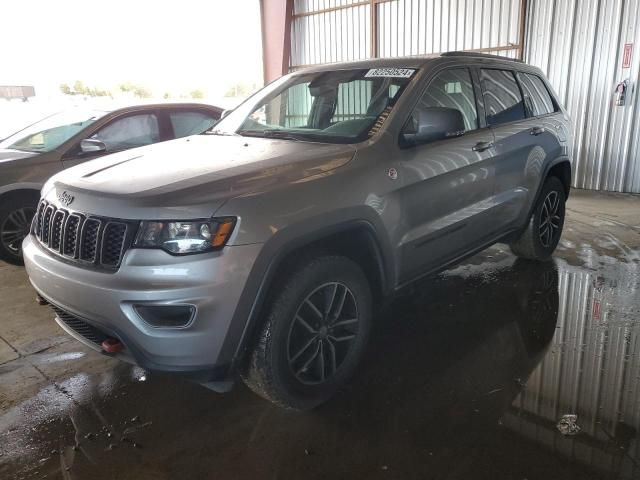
468 376
592 370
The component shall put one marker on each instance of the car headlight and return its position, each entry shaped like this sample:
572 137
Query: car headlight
184 237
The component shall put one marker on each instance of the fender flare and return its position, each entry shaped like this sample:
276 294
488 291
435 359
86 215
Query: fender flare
556 161
246 318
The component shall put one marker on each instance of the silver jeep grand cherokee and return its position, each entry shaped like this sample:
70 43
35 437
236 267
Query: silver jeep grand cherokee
262 247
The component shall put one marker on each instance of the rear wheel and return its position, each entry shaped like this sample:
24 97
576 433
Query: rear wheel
315 334
16 213
541 237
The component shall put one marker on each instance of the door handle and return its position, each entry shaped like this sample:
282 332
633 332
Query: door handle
482 146
536 130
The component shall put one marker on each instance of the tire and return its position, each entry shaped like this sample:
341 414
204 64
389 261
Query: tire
536 288
16 213
534 243
303 355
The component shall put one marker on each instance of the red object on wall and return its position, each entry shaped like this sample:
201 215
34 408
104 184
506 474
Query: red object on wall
626 56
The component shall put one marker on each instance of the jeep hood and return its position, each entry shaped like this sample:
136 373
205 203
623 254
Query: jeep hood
200 170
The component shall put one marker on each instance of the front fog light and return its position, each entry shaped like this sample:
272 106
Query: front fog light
167 316
184 237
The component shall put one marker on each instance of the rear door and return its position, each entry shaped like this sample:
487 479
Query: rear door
447 184
545 125
522 141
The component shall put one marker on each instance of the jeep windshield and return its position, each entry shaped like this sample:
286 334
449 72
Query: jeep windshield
340 106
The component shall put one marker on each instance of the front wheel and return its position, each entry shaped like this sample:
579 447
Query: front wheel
316 330
541 237
16 213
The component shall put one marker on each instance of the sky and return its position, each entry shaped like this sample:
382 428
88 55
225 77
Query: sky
167 46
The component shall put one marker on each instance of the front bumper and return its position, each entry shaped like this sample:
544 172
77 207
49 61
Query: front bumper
212 283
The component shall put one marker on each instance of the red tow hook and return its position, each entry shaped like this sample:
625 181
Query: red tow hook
112 345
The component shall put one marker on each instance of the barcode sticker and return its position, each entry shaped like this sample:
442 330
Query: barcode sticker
390 72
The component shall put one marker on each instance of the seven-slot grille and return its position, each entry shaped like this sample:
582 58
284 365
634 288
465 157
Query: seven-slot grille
89 240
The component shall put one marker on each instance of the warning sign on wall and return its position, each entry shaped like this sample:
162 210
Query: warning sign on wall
626 56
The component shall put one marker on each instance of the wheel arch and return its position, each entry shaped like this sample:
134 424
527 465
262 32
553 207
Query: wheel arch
359 239
20 188
561 168
10 202
6 195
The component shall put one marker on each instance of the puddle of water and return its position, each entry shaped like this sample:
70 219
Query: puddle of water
592 370
468 376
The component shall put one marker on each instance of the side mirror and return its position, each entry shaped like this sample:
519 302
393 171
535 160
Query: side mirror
433 123
225 113
90 145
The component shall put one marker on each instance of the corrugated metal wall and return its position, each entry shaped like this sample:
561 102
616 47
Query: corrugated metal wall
326 31
579 44
417 27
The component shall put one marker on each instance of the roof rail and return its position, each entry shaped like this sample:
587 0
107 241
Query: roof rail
478 54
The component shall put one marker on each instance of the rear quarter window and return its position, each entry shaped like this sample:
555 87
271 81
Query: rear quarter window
537 99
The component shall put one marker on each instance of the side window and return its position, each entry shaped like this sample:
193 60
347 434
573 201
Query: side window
129 132
536 96
187 123
453 89
502 99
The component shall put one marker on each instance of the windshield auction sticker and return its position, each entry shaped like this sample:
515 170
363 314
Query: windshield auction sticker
390 72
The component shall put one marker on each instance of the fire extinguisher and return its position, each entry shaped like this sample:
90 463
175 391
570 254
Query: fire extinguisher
621 92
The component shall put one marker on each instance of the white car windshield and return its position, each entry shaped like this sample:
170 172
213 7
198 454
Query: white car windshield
51 132
339 106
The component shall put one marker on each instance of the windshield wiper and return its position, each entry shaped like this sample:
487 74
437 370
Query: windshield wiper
271 133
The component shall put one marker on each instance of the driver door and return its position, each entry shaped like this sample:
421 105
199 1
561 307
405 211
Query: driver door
447 183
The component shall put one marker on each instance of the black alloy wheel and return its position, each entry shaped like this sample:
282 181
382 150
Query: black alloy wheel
323 330
15 227
550 219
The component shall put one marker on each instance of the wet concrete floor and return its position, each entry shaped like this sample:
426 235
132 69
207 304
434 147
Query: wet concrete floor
468 376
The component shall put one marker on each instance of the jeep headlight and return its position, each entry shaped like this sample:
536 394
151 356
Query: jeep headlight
184 237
